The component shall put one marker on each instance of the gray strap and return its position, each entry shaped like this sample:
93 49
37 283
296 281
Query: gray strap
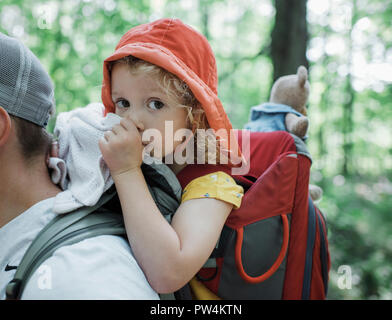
301 146
81 224
64 230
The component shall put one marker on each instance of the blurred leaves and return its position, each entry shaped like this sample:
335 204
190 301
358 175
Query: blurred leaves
359 220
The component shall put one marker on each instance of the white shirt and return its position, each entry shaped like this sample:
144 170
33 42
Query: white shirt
101 267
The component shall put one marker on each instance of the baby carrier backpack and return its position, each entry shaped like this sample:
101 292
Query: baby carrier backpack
275 245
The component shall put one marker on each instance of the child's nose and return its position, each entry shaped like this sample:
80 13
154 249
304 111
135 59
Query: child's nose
137 119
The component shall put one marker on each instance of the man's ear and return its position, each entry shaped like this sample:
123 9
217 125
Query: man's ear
5 126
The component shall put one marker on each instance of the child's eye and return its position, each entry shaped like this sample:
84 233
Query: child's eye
155 104
122 103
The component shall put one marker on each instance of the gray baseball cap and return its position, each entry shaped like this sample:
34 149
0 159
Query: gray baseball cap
26 90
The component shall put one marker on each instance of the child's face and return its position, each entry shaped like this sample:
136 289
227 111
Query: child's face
140 98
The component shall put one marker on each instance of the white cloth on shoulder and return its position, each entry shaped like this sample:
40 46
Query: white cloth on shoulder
80 169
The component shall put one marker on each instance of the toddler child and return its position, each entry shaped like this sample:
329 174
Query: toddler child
164 73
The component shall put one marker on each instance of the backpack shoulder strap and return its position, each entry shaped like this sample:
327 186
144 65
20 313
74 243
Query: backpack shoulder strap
65 230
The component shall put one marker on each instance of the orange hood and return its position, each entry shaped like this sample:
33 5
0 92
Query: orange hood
181 50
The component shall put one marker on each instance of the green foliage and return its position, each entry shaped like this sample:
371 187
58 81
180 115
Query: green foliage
72 38
349 60
359 220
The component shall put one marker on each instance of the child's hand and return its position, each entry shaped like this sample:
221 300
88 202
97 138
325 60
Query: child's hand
122 147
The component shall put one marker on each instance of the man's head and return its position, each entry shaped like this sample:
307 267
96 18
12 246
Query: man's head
27 96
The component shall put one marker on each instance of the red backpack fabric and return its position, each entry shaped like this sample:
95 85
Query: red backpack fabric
275 245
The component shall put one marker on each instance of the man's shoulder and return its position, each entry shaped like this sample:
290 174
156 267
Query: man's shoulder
101 267
98 247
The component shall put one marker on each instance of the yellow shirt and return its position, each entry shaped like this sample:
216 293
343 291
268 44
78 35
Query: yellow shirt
218 185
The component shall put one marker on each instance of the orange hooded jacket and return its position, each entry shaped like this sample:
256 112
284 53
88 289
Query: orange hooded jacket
181 50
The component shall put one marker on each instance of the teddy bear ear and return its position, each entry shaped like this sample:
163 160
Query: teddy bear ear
302 74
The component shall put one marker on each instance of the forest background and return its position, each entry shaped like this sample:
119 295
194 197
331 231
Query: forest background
347 46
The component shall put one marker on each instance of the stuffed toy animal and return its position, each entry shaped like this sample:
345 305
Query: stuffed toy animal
286 111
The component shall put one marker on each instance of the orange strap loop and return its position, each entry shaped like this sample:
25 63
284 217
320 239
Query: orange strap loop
274 267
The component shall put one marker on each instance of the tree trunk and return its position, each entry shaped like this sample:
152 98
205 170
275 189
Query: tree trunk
348 117
289 37
205 17
325 101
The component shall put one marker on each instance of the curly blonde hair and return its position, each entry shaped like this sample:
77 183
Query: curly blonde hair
179 94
